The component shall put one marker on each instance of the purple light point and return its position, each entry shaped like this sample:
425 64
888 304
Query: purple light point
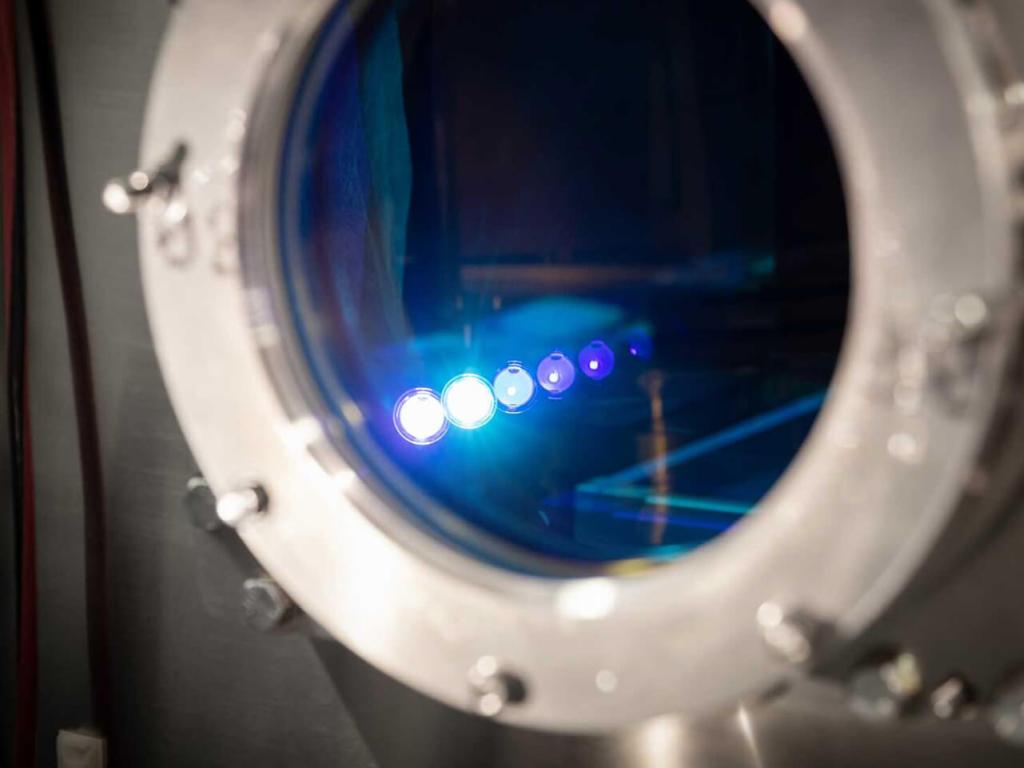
556 373
597 360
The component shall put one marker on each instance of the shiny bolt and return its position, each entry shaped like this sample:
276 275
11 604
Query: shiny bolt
790 635
971 312
264 604
126 194
952 699
1007 713
201 505
883 691
492 688
1014 94
235 506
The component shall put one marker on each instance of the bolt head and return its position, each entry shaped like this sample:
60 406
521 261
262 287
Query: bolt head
264 604
883 691
117 198
952 699
971 312
790 635
492 688
201 505
238 505
1007 713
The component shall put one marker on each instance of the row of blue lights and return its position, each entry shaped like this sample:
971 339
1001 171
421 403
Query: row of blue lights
469 401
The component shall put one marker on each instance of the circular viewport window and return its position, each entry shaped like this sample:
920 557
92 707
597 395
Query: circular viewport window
582 267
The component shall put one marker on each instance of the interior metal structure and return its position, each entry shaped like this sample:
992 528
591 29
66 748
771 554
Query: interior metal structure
860 614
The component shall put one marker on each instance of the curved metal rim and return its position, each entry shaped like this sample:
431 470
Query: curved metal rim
680 637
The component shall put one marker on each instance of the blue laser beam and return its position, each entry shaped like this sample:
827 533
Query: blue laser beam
670 499
728 436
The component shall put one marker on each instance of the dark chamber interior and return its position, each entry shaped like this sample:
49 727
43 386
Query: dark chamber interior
466 184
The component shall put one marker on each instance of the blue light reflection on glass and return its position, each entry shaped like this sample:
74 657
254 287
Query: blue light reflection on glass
638 343
514 388
468 401
556 373
597 360
549 479
419 417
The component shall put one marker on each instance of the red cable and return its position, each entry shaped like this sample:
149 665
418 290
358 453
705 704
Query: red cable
8 139
27 649
28 661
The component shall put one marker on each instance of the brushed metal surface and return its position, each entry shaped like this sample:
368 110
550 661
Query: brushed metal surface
896 98
810 727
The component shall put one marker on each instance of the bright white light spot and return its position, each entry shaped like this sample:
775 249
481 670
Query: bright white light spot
116 198
469 401
971 311
345 479
769 615
514 387
419 417
593 365
490 704
302 433
486 666
553 377
587 599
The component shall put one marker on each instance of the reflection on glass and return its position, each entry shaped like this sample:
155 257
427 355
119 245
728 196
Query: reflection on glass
514 388
637 201
420 417
468 401
597 360
556 374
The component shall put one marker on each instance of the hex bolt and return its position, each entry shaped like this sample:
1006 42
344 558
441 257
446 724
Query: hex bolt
125 194
884 691
971 313
240 504
201 504
1007 712
492 688
790 635
264 604
952 699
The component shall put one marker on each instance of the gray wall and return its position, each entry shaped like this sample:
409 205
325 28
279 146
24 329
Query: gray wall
192 685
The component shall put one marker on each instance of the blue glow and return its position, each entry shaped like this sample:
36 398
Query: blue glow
384 296
676 500
514 388
556 373
469 401
553 318
419 417
597 360
639 344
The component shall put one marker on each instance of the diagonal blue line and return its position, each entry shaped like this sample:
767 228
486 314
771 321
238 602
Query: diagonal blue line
669 500
728 436
675 520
